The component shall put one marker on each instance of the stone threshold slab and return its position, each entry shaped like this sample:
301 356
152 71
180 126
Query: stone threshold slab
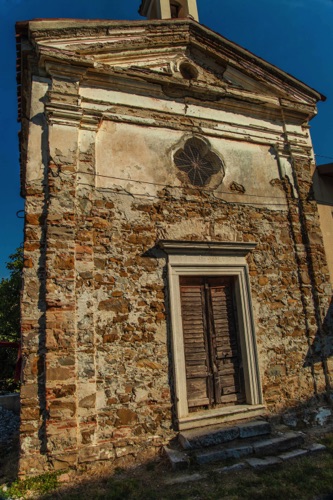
210 436
220 416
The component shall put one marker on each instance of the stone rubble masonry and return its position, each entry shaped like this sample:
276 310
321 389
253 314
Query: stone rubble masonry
97 381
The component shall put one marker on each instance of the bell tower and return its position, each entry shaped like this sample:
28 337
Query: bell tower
169 9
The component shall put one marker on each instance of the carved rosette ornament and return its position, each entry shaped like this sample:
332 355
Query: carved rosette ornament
198 163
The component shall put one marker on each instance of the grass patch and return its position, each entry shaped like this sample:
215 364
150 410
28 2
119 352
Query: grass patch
39 485
303 478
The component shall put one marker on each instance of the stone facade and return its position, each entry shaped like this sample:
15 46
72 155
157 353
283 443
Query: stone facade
106 106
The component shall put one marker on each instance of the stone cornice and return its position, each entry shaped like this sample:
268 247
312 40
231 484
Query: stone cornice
95 111
166 86
58 69
221 248
210 95
63 114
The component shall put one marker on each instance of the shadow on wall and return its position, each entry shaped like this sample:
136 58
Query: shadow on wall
322 347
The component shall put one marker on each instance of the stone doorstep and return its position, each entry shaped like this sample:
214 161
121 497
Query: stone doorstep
274 446
252 439
194 439
222 417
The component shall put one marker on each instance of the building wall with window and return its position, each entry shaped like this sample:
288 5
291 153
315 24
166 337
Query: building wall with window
323 189
323 193
175 274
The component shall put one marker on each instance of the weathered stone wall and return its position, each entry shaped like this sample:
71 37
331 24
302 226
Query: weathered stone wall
108 363
98 369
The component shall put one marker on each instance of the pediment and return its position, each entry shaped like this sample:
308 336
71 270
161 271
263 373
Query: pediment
163 50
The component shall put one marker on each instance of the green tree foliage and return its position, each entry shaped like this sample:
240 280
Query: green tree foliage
10 290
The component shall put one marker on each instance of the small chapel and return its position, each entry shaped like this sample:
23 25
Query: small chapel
175 274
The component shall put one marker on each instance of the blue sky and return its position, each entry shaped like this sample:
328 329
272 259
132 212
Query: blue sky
296 35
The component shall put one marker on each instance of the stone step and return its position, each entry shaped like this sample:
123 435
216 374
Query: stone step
219 454
272 446
194 439
276 445
253 462
259 463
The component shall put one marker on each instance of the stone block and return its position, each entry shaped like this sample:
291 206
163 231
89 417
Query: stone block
299 452
125 416
278 444
204 438
123 451
107 451
188 478
179 460
117 305
63 461
253 429
63 391
59 373
219 454
232 468
260 463
88 454
30 413
316 447
88 401
146 363
62 409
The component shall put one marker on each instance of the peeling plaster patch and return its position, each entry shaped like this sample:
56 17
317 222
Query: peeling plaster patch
234 186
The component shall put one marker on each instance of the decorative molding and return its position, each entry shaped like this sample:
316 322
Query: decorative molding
63 114
74 72
220 248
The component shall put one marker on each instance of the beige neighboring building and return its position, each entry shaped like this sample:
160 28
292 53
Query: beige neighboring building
175 272
323 189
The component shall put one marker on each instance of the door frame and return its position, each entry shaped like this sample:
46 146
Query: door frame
209 331
189 258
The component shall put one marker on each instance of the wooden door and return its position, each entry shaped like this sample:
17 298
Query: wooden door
214 374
